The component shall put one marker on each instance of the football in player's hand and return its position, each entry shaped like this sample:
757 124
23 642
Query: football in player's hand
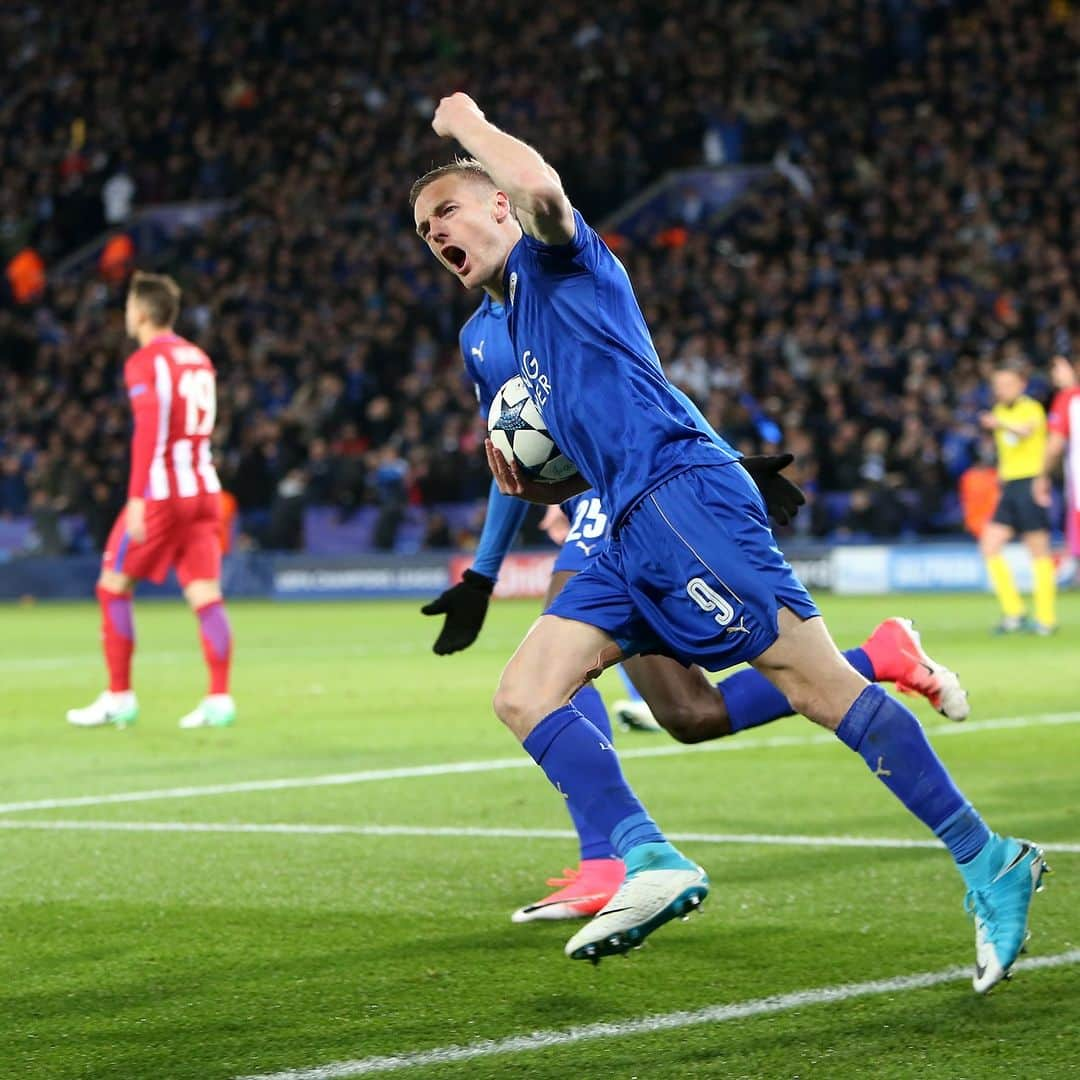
517 430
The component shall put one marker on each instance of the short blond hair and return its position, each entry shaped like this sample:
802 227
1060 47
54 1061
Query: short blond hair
159 296
469 168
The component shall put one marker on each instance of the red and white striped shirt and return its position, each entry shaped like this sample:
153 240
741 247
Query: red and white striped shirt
1064 418
173 391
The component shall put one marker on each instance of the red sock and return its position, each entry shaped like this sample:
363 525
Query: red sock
216 637
117 636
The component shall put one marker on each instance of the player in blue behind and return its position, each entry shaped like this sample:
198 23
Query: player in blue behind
691 570
689 707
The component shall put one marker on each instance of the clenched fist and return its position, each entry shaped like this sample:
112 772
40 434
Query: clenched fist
453 113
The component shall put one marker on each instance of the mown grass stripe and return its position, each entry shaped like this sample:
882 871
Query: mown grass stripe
649 1025
476 833
450 768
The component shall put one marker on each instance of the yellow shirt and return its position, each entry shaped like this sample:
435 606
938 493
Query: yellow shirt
1020 458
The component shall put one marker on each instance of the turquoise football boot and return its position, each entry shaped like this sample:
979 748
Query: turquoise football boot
1000 909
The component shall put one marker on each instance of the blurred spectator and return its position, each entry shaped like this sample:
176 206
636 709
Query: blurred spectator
388 475
48 534
26 276
437 534
285 531
117 259
117 194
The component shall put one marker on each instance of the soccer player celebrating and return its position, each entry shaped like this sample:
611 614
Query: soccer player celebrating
1063 441
686 702
691 570
172 516
1019 426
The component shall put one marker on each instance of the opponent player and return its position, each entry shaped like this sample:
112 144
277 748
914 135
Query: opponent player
172 514
1019 426
691 570
1063 441
687 704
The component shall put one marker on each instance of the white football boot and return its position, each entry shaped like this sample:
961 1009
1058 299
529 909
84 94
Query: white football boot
119 709
660 885
215 710
635 716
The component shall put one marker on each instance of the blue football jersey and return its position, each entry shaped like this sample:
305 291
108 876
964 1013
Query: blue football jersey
487 352
489 360
584 350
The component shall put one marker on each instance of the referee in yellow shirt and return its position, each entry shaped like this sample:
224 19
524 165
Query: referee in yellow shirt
1019 426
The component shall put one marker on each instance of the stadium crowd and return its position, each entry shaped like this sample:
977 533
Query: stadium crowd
922 221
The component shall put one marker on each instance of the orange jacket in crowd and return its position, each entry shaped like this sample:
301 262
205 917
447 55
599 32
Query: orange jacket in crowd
979 492
117 259
228 516
26 276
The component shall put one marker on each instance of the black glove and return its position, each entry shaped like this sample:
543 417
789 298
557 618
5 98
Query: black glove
464 605
782 497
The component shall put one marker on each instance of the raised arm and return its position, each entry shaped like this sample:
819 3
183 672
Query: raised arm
531 184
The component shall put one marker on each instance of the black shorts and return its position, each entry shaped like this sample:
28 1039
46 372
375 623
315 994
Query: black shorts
1018 509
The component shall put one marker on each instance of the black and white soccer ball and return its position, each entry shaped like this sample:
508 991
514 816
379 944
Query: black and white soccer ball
517 429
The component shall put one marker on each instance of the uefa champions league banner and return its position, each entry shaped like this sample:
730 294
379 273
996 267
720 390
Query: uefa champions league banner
523 573
358 577
248 575
854 570
948 567
280 576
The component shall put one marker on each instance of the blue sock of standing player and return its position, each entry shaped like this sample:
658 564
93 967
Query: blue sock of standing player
582 765
752 700
631 690
594 844
892 742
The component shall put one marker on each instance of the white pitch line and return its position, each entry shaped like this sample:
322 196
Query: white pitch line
649 1025
729 745
470 832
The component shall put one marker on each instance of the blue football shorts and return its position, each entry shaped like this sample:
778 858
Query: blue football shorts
589 534
693 573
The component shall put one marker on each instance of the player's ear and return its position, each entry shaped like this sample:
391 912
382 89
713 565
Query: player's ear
501 207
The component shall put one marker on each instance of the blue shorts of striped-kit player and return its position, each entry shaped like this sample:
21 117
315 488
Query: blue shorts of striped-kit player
576 555
693 572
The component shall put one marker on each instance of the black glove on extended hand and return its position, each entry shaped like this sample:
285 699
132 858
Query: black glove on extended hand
464 605
782 497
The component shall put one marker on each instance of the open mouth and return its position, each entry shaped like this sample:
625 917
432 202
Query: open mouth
456 257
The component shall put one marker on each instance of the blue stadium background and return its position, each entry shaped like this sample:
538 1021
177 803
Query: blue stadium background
836 218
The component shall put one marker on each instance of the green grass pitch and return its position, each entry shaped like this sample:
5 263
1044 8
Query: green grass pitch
179 954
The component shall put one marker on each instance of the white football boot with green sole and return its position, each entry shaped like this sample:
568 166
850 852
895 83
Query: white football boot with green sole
119 709
216 710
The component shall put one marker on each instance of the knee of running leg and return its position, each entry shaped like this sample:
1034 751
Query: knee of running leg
806 701
514 706
682 723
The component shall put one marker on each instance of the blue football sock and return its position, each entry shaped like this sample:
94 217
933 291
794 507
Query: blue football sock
752 700
858 659
894 745
964 834
582 765
594 845
980 870
631 689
